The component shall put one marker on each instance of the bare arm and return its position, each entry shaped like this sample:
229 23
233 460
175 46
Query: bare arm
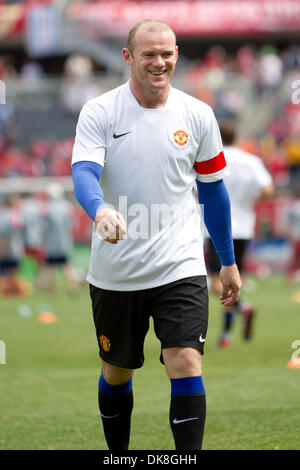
266 192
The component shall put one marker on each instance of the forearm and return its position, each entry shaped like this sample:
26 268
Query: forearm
87 189
215 200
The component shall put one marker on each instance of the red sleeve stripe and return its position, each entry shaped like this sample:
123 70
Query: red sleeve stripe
213 165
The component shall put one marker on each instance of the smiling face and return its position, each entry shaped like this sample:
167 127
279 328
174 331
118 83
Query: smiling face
152 61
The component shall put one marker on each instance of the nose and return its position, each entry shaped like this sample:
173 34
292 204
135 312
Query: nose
158 61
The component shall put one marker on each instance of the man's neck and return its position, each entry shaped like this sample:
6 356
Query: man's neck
148 98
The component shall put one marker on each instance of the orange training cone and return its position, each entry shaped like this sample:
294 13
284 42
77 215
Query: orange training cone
294 363
47 317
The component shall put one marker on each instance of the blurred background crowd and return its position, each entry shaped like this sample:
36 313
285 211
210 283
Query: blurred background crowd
55 55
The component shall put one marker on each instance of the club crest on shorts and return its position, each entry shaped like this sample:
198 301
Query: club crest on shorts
180 137
105 343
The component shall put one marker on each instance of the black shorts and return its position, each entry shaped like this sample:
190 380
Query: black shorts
56 260
8 265
214 265
179 311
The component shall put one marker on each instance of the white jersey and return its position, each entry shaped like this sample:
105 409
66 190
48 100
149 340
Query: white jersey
246 179
151 158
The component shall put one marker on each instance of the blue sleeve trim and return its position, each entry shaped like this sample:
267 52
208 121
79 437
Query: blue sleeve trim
217 218
87 189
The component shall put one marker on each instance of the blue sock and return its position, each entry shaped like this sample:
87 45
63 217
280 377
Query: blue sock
114 390
228 320
187 386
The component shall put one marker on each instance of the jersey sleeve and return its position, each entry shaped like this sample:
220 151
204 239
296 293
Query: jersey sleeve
259 177
210 164
90 139
263 176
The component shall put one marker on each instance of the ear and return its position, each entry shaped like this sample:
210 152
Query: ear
127 56
176 53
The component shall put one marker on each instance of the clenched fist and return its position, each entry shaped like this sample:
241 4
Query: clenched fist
110 225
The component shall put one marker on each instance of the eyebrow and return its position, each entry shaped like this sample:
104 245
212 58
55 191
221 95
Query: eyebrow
156 52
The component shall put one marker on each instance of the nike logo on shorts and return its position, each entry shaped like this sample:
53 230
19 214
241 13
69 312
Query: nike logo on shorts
202 340
178 421
116 136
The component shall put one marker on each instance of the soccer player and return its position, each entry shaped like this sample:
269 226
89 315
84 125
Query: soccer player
58 228
247 183
11 248
148 142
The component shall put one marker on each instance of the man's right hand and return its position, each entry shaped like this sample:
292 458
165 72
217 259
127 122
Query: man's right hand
110 225
231 285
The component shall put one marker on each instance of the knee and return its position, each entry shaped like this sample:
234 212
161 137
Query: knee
115 375
182 362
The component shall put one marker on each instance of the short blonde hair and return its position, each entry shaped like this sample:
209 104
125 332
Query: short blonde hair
149 25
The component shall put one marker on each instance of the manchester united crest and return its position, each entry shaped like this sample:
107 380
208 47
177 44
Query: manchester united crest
105 343
180 138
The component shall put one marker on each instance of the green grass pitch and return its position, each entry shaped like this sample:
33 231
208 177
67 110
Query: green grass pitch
48 386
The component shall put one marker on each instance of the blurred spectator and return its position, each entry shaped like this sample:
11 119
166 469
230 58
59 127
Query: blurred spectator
270 68
246 61
294 238
12 162
79 85
31 72
291 113
215 57
11 248
291 57
7 67
7 125
292 147
274 160
232 102
38 158
61 154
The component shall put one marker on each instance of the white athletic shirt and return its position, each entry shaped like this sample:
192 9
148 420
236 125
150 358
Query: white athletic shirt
244 183
151 158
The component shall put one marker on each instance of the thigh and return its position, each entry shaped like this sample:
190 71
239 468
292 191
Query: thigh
180 313
121 325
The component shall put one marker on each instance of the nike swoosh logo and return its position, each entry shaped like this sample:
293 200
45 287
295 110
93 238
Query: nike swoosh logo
116 136
201 339
177 421
114 416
